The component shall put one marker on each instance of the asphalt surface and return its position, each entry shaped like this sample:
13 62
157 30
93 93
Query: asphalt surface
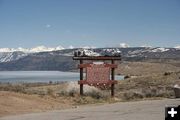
141 110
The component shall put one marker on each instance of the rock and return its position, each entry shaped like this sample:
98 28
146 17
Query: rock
177 91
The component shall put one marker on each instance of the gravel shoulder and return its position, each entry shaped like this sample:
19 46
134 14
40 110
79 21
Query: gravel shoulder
139 110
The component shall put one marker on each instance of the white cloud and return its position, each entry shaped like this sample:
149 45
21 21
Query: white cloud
123 45
48 26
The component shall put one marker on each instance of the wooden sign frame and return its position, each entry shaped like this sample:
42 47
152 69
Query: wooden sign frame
87 66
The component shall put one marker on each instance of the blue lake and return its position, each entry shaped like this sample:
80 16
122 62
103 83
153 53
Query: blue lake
39 76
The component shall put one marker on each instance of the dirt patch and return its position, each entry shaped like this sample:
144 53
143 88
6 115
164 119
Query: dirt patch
15 103
28 98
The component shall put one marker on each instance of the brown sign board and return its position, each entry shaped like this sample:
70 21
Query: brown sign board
97 73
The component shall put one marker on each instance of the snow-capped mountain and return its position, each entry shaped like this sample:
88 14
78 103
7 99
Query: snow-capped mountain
11 56
123 45
160 50
177 47
32 50
43 58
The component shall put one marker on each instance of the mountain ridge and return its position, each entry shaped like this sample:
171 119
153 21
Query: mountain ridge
62 59
32 50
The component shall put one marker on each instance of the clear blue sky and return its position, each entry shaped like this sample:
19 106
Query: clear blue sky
100 23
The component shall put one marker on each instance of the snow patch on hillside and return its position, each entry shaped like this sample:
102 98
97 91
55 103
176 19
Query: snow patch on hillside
10 56
177 47
160 50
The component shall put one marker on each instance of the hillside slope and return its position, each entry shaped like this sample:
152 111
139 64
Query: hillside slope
62 59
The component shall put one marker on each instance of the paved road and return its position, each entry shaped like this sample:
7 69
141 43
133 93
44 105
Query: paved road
143 110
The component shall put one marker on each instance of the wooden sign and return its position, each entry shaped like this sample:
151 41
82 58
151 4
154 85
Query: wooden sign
97 74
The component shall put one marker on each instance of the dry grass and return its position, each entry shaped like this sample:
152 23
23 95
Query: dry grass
156 85
159 85
69 89
145 68
47 97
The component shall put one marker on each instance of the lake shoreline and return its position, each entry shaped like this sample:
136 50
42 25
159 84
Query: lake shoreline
40 76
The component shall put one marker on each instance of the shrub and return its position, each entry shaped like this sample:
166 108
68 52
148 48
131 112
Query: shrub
167 73
72 93
97 94
127 76
132 95
50 92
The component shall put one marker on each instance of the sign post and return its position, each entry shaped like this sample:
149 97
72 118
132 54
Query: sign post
97 74
81 78
112 78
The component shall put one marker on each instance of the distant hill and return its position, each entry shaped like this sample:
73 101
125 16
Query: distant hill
62 59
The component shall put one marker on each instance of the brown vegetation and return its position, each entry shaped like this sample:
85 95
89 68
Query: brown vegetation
145 68
25 98
159 85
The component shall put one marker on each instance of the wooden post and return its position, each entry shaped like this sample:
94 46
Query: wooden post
81 78
112 78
